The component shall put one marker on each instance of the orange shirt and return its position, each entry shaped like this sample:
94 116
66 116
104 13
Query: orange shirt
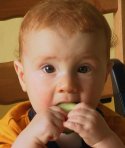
17 119
13 123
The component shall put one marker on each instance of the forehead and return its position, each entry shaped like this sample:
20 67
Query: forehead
50 41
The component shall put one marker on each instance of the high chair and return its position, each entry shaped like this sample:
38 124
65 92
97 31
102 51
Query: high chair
10 90
118 83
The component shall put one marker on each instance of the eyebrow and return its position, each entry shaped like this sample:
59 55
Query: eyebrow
90 57
44 58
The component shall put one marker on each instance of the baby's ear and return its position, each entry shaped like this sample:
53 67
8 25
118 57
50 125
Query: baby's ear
20 73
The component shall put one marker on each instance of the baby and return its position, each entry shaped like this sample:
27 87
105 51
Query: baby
64 48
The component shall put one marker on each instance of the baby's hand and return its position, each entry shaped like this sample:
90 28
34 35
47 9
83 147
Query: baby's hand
88 123
44 127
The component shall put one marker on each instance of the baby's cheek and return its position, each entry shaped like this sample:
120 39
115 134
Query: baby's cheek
40 101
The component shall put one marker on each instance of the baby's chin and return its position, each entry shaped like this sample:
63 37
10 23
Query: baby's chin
67 107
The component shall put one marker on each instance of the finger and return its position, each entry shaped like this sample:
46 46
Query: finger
57 120
58 109
73 126
54 134
85 118
81 120
58 125
82 109
58 113
84 105
81 112
55 128
86 122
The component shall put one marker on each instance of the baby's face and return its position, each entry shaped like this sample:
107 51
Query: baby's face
60 68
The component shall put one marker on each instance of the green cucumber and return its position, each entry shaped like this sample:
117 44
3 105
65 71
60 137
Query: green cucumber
67 107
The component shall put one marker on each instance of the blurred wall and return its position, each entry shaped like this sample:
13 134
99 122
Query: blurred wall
9 39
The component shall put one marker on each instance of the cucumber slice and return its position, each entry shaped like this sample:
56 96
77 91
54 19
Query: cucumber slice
67 107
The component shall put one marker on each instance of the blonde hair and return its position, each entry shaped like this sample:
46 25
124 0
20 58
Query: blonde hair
70 15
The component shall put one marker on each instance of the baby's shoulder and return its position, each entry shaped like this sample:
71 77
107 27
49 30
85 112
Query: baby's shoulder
14 122
16 115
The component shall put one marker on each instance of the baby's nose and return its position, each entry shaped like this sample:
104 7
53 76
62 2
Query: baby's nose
67 84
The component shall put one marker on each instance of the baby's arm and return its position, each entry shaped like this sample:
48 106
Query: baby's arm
91 126
112 141
44 127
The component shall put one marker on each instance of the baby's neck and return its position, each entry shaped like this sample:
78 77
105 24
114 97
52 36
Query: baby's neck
69 140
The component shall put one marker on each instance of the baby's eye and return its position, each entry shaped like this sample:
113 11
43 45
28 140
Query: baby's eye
84 69
48 69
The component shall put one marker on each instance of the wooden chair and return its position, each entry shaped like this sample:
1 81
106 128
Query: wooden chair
10 90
